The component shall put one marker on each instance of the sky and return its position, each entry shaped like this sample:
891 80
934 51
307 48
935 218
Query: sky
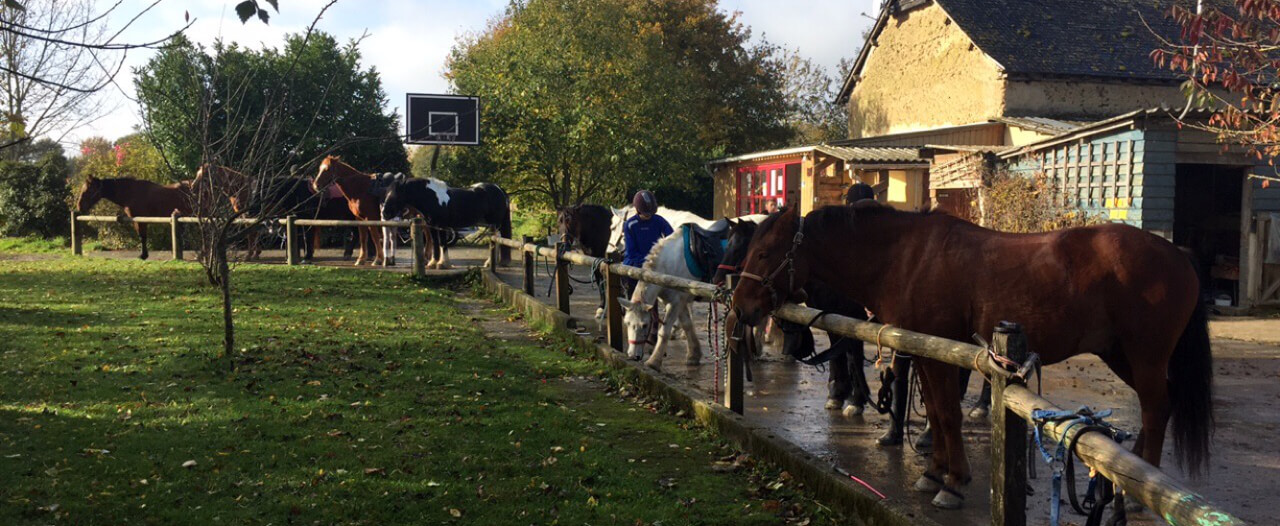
407 40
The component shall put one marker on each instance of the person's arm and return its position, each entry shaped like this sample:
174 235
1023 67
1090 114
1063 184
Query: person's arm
628 240
665 227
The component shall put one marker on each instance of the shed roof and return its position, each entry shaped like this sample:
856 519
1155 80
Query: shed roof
1106 39
872 154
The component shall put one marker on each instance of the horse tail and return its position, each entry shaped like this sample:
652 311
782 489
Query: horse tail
1191 392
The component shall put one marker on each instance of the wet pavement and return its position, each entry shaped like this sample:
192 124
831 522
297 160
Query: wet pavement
790 398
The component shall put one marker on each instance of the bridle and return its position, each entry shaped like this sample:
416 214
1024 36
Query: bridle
788 263
650 337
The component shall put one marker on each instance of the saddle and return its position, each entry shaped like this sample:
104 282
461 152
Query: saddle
704 248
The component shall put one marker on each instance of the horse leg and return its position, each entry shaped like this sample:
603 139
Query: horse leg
861 390
142 235
434 237
363 235
949 439
694 355
664 334
933 478
379 257
839 386
309 237
444 257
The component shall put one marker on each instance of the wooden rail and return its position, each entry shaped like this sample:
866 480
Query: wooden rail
291 223
1012 407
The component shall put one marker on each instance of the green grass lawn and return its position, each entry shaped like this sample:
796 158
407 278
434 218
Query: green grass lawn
357 398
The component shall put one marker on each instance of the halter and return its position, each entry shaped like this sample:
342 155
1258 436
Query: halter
650 337
788 263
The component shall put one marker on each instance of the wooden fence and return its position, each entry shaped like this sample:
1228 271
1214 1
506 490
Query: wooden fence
293 249
1012 402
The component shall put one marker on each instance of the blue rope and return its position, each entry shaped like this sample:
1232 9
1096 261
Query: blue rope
1057 458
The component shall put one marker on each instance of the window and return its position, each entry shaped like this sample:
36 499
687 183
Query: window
761 183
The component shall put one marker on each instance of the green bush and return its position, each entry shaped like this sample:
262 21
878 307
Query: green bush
33 197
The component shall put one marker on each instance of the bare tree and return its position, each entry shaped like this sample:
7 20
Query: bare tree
56 56
810 92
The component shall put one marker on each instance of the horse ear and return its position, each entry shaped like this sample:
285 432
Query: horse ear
626 303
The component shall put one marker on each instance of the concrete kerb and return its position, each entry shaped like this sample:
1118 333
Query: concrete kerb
834 489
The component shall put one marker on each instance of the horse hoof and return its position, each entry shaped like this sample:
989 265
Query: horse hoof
890 438
599 314
657 366
948 499
853 410
926 484
833 404
980 412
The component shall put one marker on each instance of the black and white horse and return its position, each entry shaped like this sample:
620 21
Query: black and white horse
445 209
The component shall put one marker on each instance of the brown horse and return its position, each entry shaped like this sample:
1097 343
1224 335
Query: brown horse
355 186
1126 295
138 198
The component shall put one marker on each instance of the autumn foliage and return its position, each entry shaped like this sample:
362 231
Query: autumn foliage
1229 53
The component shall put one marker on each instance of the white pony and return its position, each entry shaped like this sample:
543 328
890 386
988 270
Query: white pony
666 257
674 217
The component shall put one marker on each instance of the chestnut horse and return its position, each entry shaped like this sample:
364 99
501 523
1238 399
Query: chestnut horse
138 198
356 187
1125 295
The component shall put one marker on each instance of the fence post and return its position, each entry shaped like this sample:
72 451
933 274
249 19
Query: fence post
493 254
733 379
418 240
290 241
1008 437
76 246
562 279
175 232
527 257
612 309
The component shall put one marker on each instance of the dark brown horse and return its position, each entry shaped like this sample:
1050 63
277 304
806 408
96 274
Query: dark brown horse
588 227
1126 295
355 187
138 198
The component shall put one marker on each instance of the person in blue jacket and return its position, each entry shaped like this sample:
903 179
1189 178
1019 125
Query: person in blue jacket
641 231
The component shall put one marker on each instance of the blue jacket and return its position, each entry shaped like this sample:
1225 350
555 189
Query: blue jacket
640 235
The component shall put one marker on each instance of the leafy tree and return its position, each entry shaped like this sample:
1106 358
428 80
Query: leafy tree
811 93
196 101
33 197
593 99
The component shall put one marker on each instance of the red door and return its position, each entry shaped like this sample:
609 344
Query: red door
760 183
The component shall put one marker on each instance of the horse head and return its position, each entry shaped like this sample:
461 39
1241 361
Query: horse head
90 194
774 270
395 201
735 249
567 219
332 170
641 323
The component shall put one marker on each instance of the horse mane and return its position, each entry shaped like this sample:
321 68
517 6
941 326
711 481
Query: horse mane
651 259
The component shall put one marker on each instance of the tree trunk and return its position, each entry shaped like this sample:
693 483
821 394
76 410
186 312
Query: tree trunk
224 285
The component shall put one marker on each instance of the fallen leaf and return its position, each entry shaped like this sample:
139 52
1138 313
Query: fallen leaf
189 464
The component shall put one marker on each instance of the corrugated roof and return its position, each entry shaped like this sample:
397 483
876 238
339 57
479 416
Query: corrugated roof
1043 124
968 148
869 154
1093 128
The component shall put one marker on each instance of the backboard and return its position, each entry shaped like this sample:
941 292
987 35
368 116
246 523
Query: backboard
442 119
